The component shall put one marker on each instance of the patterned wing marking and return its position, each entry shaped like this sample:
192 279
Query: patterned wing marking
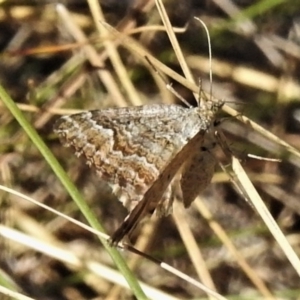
156 191
130 147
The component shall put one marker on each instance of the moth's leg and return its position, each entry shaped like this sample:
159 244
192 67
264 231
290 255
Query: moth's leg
222 141
165 205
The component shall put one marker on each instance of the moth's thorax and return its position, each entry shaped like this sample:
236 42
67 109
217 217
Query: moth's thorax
207 111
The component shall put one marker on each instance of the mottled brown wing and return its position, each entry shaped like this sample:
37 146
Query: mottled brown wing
130 147
155 192
196 175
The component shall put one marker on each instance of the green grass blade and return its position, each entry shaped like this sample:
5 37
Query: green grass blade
72 190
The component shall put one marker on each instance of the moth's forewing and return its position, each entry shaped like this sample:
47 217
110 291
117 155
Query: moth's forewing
155 192
196 175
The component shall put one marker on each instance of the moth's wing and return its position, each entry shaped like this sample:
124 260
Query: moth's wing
155 192
129 147
196 175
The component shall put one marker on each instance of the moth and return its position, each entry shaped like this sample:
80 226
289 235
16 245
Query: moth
139 150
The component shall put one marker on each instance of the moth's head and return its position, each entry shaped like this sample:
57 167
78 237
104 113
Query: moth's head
216 104
210 107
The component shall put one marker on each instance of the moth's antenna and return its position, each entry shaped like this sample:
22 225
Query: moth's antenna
209 54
